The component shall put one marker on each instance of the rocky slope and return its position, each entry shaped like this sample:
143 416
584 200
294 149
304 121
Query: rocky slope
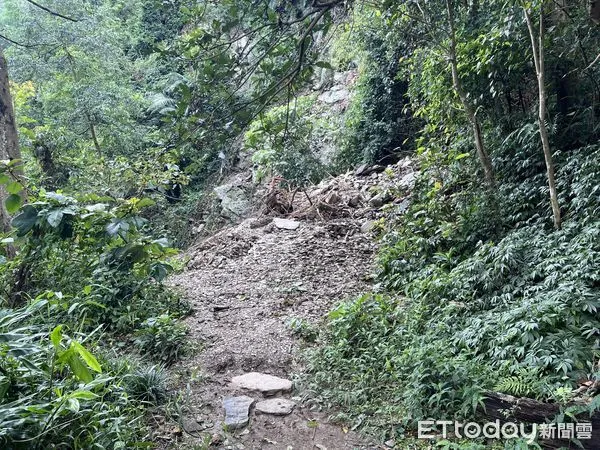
253 284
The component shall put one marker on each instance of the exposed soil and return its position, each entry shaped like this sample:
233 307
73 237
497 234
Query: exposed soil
246 284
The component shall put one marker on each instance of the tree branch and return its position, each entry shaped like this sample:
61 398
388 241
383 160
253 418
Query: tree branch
49 11
15 42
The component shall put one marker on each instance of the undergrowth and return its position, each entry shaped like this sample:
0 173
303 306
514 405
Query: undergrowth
87 278
515 310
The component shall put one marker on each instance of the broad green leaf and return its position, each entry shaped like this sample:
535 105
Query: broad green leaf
73 405
25 221
89 359
56 336
79 369
163 242
55 217
96 207
83 395
117 225
13 163
159 271
461 156
14 187
13 203
145 202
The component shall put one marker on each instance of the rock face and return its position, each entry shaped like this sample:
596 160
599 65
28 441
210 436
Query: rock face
237 411
286 224
336 94
276 406
266 384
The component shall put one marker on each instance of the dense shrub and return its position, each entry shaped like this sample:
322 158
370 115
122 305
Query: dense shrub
55 394
85 275
95 256
285 142
514 310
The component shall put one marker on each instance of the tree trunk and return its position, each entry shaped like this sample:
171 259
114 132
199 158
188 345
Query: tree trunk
9 141
537 46
484 157
94 136
594 8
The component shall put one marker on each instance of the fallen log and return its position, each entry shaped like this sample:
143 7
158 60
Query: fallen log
507 408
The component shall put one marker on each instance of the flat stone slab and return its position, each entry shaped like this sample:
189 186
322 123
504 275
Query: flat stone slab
275 406
267 384
286 224
237 411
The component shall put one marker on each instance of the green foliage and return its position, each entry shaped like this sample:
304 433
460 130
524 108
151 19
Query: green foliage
55 393
147 384
303 329
83 265
163 338
526 382
383 367
282 143
119 286
516 313
378 122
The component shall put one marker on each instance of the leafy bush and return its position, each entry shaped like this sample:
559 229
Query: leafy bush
514 310
282 144
162 337
97 255
53 391
87 265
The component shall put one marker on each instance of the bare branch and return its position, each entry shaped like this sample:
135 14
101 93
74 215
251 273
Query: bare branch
49 11
15 42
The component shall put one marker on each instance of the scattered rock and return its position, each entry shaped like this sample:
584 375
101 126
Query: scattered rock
217 308
377 201
334 95
276 406
362 170
403 207
237 411
408 181
286 224
366 170
216 439
380 199
355 201
367 226
261 222
332 199
267 384
192 425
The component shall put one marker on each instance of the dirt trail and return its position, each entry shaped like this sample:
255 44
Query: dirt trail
246 283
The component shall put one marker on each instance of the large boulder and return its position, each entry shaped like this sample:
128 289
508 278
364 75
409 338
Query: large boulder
235 200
